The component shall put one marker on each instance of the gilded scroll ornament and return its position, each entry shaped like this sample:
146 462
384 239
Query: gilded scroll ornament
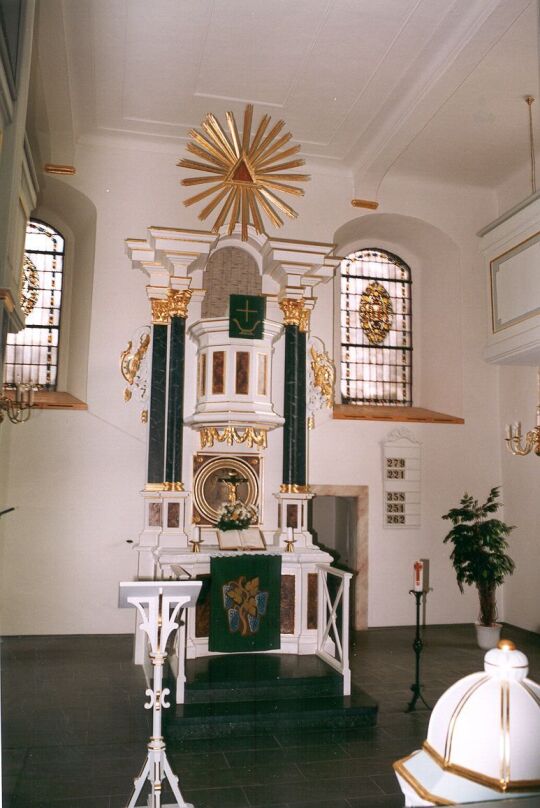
295 312
376 313
160 311
230 435
178 300
324 375
30 286
131 362
134 366
243 173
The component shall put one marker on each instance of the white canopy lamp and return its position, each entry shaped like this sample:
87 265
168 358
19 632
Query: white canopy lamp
483 738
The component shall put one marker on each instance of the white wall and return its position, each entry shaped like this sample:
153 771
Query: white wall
75 476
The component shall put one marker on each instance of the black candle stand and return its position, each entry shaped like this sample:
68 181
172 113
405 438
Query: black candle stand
417 648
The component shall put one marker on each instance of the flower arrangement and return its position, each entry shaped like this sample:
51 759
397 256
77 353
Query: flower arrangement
236 516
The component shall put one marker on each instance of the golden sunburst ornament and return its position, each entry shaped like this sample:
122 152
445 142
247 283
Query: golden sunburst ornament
244 172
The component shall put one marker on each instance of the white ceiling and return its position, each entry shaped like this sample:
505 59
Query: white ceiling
429 86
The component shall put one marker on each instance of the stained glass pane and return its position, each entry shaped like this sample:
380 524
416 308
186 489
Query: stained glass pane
376 329
32 354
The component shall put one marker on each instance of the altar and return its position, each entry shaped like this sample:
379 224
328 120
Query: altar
230 380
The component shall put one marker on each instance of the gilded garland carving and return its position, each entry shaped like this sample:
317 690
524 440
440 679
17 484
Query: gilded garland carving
324 375
295 313
30 286
376 313
230 435
179 302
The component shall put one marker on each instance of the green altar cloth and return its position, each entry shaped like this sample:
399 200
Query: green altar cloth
245 603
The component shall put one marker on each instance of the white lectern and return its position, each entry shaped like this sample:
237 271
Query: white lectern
159 603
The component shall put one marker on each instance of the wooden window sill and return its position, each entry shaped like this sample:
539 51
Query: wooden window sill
52 400
408 414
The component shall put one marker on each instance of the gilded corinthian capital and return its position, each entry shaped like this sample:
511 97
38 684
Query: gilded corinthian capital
179 302
160 311
295 313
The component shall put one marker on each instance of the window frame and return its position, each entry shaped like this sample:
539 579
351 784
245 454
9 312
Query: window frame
344 407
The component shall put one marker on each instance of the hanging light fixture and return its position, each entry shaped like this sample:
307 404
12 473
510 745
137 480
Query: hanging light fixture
18 408
514 438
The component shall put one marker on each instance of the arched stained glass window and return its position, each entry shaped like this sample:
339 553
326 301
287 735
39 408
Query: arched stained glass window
376 329
32 354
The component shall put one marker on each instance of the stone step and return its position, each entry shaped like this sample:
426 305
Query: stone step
225 718
259 677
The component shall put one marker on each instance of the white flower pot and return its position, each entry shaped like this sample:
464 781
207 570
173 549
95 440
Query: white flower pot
487 637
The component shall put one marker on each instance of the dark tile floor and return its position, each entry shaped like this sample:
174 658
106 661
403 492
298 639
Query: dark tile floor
74 731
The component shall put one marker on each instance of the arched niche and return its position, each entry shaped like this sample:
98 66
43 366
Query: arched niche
74 215
435 262
229 270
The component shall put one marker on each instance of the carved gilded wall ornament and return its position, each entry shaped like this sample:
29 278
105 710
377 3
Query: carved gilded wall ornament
376 313
295 312
29 287
134 367
160 311
244 172
231 435
322 377
178 300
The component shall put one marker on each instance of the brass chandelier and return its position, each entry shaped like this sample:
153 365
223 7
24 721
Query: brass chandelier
514 439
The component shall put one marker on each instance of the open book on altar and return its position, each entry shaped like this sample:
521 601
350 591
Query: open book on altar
249 539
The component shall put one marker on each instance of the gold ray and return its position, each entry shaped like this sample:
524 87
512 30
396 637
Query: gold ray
265 120
197 198
215 127
245 214
294 177
243 178
273 147
246 129
185 163
206 155
234 133
280 156
235 211
254 155
201 180
224 211
284 166
279 203
268 209
255 214
214 147
280 186
214 203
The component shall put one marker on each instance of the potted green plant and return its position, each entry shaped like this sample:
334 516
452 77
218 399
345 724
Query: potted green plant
479 557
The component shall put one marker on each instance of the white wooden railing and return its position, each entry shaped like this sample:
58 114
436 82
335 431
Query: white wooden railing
333 629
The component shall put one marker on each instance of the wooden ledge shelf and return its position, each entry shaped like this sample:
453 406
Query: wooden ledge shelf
355 412
58 401
52 400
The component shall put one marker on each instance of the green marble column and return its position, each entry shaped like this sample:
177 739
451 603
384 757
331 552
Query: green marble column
175 413
294 405
178 306
156 431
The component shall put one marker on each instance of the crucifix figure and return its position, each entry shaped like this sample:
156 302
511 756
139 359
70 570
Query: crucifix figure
232 481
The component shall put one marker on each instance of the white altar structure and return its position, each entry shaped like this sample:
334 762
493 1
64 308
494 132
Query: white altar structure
220 403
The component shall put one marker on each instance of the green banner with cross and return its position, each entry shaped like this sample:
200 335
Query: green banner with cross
246 316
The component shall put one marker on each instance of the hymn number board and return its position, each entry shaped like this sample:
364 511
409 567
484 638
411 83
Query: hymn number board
401 480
